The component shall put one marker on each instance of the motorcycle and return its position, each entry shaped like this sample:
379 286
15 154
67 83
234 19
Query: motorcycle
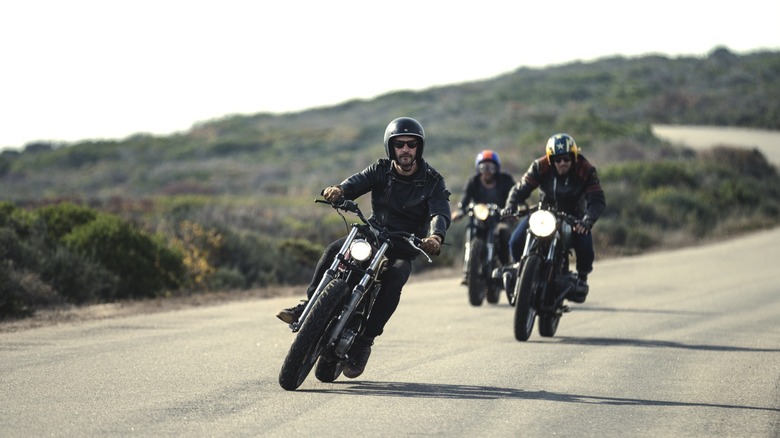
339 308
480 253
543 279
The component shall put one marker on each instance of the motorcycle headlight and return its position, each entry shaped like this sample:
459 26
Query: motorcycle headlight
542 223
481 211
360 250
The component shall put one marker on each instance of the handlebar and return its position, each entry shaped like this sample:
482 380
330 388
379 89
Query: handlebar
527 210
352 207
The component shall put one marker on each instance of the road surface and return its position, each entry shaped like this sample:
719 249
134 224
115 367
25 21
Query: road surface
682 343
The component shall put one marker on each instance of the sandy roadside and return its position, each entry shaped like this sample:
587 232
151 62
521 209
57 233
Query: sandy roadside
705 137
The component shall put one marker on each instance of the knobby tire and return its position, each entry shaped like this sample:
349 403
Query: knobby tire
525 290
476 281
308 344
548 324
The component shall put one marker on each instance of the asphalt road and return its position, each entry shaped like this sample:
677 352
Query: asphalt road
683 343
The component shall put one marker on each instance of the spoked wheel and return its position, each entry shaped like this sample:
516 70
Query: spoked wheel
309 342
525 290
477 284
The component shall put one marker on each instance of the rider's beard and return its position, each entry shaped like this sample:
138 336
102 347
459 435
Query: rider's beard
406 162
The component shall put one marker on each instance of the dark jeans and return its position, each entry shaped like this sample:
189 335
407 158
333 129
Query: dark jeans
393 280
583 247
503 242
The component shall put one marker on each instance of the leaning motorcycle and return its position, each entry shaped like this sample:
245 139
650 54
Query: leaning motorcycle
480 253
543 279
339 308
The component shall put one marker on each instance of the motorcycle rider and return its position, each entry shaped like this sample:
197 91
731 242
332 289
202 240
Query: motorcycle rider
407 194
488 185
569 181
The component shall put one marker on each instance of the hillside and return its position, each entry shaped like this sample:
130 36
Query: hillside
228 204
607 105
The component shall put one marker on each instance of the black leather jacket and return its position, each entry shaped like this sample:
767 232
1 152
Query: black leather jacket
578 192
473 191
418 204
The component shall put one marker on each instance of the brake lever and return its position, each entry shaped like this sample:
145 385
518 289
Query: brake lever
410 239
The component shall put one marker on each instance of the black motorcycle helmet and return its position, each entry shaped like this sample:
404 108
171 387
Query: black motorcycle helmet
404 126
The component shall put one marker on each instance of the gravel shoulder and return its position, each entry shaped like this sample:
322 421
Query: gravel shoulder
77 314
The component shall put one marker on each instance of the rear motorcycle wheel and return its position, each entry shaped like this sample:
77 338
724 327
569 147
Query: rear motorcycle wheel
548 324
525 290
328 369
476 281
308 344
494 286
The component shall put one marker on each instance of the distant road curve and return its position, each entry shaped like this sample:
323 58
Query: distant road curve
704 137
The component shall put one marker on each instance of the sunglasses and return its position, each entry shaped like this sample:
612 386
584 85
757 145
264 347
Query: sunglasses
399 144
564 158
487 167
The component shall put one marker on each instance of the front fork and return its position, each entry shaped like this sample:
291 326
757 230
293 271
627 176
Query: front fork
329 275
490 245
530 243
491 248
467 249
354 300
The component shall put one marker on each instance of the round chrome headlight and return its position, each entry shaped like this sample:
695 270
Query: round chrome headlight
481 211
360 250
542 223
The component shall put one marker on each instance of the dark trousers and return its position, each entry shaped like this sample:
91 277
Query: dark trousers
583 247
393 281
503 231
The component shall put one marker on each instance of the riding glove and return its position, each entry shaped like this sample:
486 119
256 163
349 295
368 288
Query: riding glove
333 193
431 245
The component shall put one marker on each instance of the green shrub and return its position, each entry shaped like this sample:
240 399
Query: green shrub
297 260
226 279
682 209
61 218
252 255
143 264
78 279
22 292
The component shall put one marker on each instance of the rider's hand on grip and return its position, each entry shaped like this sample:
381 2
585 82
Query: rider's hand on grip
333 193
431 245
508 211
584 226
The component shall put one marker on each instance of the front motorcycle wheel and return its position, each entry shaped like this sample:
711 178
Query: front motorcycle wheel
476 280
525 290
308 344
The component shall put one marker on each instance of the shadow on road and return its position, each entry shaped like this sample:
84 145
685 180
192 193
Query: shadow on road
650 311
468 392
622 342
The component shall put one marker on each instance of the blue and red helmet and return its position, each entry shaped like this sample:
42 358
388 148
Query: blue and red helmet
488 155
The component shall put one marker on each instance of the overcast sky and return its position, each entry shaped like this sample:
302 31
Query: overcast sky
82 69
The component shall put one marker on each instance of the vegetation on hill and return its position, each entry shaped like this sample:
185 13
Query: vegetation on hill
228 204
